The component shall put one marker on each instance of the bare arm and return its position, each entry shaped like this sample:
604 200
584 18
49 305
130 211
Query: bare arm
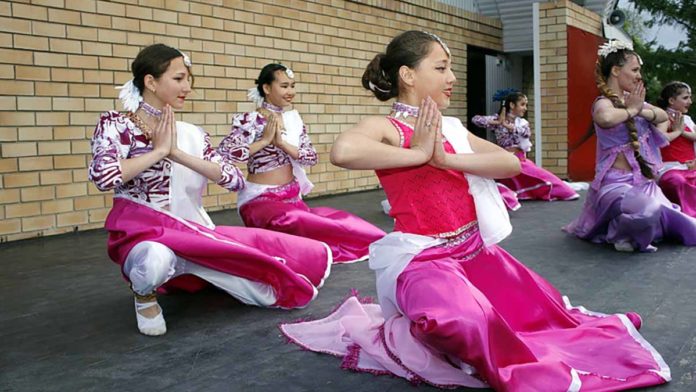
374 143
487 160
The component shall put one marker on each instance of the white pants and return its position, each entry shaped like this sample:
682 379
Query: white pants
151 264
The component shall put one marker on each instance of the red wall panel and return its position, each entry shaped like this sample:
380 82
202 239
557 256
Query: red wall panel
582 90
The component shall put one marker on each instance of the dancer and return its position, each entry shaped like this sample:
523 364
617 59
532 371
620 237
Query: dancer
455 308
159 232
512 133
273 141
678 175
624 205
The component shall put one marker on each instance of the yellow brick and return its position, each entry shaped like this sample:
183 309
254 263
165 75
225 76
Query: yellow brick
30 42
125 24
7 71
81 5
34 103
87 119
72 218
109 8
8 196
113 63
22 210
16 56
97 20
112 36
69 162
16 118
90 90
10 226
8 165
38 193
51 89
98 215
18 150
25 11
68 104
55 206
15 25
8 134
97 48
35 133
63 191
47 29
80 147
82 33
52 177
63 133
32 72
66 45
35 163
64 16
89 202
54 148
52 118
38 223
66 75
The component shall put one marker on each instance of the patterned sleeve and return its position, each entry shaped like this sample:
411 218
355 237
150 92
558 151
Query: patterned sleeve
484 121
232 178
523 129
307 155
110 143
235 146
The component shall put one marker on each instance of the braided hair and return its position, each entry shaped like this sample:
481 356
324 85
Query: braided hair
603 68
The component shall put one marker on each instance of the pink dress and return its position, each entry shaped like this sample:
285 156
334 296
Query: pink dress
163 204
677 181
459 313
281 208
533 183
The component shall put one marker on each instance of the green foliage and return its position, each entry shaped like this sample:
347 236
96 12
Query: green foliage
663 65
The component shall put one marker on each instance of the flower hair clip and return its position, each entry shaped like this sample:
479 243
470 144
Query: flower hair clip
130 96
612 46
254 96
187 59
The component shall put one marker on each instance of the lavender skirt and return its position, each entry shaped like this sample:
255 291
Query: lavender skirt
620 212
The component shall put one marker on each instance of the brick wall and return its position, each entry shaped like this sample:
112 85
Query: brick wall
554 17
60 61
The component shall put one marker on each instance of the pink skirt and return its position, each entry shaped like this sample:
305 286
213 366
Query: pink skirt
294 267
535 183
475 316
680 188
282 209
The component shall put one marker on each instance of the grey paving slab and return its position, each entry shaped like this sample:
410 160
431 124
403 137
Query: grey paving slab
67 322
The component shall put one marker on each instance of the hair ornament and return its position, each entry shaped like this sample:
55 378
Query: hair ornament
254 96
612 46
130 96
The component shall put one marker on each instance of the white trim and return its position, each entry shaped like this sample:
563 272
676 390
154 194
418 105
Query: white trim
664 371
575 382
537 84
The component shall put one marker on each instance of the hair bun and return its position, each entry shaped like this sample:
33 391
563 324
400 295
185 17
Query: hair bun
376 79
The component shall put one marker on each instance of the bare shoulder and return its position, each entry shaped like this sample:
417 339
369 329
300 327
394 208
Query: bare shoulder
372 126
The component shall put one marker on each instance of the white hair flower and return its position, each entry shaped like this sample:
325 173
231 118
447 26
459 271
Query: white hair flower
254 96
289 72
612 46
130 96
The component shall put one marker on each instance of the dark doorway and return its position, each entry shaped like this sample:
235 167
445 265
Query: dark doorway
476 86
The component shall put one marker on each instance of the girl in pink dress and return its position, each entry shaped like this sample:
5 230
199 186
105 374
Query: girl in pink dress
455 308
159 232
678 175
274 144
512 133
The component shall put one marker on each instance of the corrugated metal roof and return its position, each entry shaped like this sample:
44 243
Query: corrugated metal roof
516 16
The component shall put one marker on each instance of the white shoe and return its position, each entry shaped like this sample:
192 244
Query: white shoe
150 326
624 246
